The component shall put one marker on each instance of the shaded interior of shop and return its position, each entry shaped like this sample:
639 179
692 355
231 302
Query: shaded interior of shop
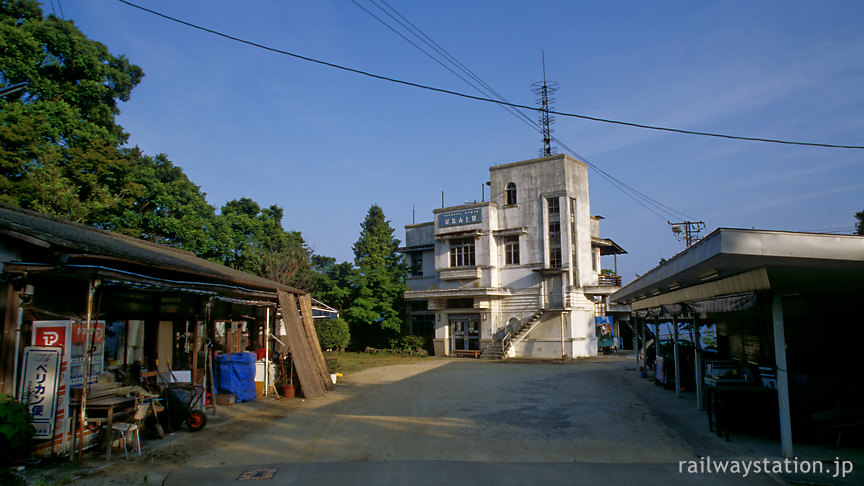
826 387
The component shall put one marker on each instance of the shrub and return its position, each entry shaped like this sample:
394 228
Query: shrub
332 334
408 343
333 366
16 430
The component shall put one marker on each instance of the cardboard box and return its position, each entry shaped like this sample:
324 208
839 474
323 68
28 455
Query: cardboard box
224 399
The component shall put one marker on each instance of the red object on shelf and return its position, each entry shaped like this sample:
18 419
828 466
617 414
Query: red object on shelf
261 353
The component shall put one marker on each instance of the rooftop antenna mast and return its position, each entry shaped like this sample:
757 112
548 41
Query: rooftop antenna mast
545 89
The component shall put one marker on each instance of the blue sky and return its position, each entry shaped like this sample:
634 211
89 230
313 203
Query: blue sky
326 144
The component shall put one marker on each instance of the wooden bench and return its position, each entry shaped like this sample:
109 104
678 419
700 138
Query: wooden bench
474 353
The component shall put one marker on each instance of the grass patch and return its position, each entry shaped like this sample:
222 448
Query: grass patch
353 362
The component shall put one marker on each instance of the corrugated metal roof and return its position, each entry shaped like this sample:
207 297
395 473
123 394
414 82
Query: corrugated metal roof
85 242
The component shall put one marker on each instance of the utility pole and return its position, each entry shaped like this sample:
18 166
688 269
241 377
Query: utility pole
688 230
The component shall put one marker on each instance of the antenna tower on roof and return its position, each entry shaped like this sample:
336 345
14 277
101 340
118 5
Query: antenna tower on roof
545 89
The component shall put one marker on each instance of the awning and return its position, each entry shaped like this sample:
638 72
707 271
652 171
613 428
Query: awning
726 303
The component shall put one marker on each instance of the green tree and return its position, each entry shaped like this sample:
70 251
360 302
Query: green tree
163 205
58 138
334 281
250 238
859 226
377 307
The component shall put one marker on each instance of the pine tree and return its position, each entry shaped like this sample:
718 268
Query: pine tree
376 312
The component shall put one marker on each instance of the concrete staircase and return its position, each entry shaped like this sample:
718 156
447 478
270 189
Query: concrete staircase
493 351
498 349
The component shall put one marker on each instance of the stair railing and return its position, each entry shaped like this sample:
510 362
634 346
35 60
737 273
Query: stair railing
523 323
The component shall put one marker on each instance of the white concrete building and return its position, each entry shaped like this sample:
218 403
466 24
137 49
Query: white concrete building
517 276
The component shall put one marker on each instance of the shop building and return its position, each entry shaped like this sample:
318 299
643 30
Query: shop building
786 331
518 275
104 306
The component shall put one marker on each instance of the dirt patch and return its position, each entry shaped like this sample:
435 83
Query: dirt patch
160 457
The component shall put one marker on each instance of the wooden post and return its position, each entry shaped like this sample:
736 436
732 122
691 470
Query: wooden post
194 348
676 357
7 341
782 378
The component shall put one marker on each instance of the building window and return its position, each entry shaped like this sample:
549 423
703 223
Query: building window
511 250
462 252
554 208
417 264
555 233
423 325
555 257
511 193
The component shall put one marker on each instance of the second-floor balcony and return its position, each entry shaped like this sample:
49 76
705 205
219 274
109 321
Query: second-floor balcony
605 280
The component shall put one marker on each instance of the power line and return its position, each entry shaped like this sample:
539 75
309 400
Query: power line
643 200
488 100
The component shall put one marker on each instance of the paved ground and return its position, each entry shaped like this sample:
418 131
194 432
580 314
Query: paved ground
469 421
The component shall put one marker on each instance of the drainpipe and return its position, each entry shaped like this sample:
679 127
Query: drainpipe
563 351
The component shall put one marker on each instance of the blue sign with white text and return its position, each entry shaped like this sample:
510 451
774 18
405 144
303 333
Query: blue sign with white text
458 218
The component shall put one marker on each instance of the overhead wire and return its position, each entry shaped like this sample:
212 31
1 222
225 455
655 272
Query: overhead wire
479 98
639 197
426 40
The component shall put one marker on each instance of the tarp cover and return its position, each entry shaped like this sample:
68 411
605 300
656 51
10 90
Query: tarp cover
235 373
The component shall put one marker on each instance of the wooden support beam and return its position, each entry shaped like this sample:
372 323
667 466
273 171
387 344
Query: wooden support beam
312 335
308 368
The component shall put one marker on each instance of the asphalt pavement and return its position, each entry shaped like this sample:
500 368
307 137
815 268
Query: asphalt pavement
465 421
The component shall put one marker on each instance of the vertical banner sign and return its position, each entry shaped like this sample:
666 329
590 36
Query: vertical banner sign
605 338
39 385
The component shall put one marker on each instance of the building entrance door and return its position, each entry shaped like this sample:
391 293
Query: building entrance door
554 295
465 332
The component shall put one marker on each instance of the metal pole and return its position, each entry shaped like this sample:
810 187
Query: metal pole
642 348
82 412
782 378
677 361
656 343
697 344
266 350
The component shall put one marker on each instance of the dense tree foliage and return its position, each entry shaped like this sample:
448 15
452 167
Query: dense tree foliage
375 314
162 205
61 153
334 280
859 226
251 238
58 137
